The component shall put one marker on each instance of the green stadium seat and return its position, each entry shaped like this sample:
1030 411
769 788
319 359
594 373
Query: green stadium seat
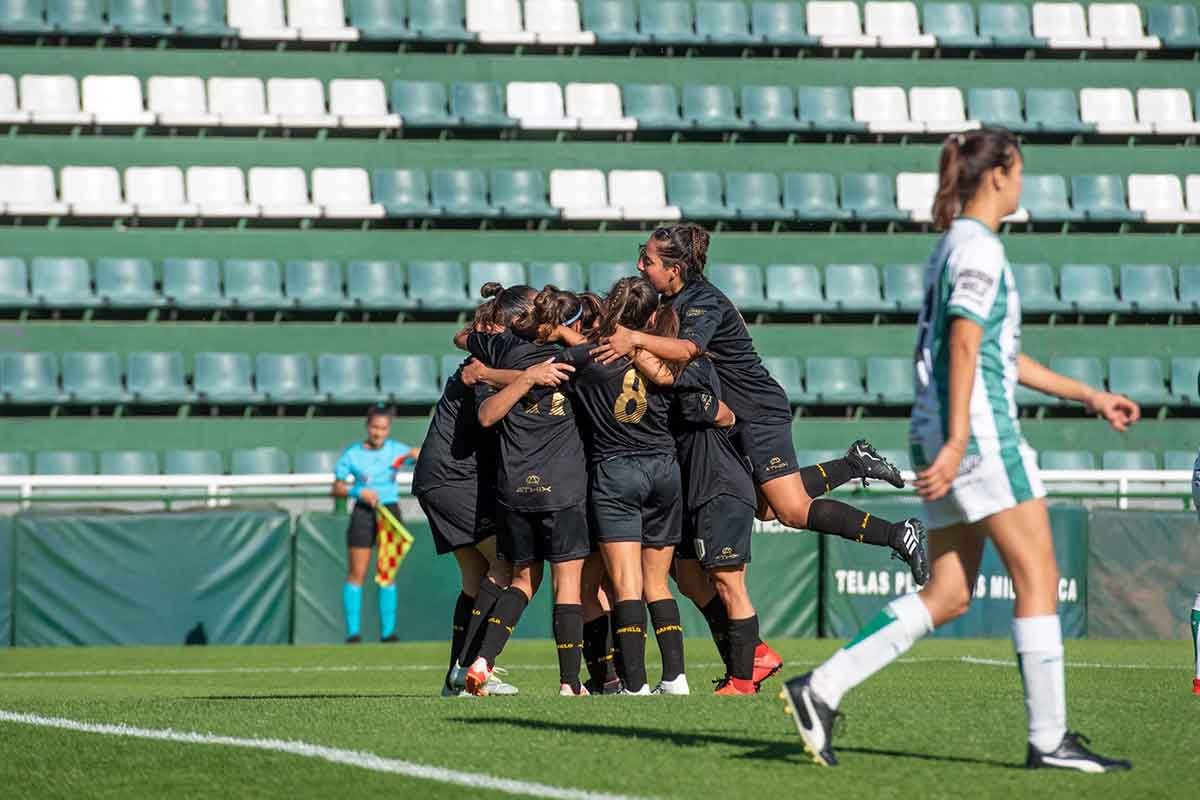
669 22
1008 25
30 378
462 193
1045 198
1181 460
1055 111
64 462
403 192
376 284
439 20
755 196
347 378
480 104
422 104
1037 290
1067 459
813 196
259 461
789 374
14 463
62 283
1185 380
157 378
285 378
1139 378
381 20
723 22
796 288
200 18
314 285
890 381
450 364
312 462
505 273
711 108
998 108
855 289
1089 289
1086 369
833 380
1176 25
781 23
741 283
93 378
193 462
193 283
139 17
127 283
612 21
253 283
563 274
1129 460
14 283
698 195
224 378
655 106
521 194
409 380
871 197
438 286
24 17
603 274
904 285
77 17
770 108
954 25
129 462
1032 398
1149 288
1102 198
1189 287
827 109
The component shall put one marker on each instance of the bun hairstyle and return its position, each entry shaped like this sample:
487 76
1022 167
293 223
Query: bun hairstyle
631 303
551 307
380 410
504 304
965 158
593 307
685 244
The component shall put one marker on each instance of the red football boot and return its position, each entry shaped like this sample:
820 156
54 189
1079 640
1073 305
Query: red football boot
766 663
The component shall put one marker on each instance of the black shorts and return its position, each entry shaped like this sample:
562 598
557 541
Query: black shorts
636 499
717 534
769 448
553 536
459 517
361 531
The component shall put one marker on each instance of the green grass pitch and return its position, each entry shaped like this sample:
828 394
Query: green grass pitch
932 725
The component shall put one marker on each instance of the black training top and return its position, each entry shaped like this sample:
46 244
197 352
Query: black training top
708 318
456 449
625 414
709 463
541 465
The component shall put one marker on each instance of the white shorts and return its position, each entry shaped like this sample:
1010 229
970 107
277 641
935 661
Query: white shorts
996 478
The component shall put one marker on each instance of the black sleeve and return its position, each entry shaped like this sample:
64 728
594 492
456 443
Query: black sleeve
697 393
484 347
700 321
577 356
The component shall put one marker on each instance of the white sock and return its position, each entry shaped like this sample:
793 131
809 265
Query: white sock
884 639
1040 654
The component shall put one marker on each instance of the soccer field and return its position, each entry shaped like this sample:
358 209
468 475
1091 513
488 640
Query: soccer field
947 721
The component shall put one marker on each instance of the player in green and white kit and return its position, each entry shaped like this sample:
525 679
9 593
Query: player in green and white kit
975 472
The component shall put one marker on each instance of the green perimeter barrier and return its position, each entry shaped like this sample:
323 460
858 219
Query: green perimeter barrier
7 573
209 577
858 580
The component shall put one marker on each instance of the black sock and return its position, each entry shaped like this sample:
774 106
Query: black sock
501 622
618 656
743 638
832 516
568 637
668 629
485 601
462 618
718 623
821 478
598 649
629 617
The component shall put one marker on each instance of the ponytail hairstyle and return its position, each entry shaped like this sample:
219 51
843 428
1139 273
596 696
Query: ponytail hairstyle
965 158
551 307
593 307
507 303
685 244
631 303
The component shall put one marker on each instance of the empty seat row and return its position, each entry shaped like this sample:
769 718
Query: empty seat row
241 461
1116 460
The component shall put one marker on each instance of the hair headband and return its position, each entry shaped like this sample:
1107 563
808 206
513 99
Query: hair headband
574 317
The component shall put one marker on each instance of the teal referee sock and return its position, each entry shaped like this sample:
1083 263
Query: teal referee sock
387 611
352 606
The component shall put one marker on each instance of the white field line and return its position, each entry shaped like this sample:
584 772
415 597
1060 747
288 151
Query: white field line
353 758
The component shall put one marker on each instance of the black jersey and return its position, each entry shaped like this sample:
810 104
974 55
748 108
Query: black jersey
708 318
541 465
709 463
456 449
626 415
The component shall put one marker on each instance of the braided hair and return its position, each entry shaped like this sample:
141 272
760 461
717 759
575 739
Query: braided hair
685 244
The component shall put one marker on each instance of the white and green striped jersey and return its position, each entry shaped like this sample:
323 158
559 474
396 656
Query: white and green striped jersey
969 276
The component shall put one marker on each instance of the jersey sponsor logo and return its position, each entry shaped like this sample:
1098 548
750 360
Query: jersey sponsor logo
775 464
533 485
973 281
969 464
696 312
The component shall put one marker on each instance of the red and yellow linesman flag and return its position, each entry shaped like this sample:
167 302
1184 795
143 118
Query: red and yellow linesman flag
393 541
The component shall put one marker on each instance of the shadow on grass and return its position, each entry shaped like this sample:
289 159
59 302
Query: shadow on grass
327 696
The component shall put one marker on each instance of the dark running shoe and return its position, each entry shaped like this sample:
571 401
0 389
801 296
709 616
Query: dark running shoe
868 464
1071 754
599 690
908 545
355 639
390 639
814 719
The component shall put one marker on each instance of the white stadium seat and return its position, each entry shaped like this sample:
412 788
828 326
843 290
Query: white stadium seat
556 22
940 109
281 192
1064 26
93 192
299 103
180 102
915 192
9 110
895 25
320 21
884 109
115 100
640 194
158 192
361 103
837 24
1120 26
259 19
29 191
1159 198
538 106
1111 110
52 100
581 194
1193 193
219 192
597 106
497 22
240 102
1168 110
344 193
